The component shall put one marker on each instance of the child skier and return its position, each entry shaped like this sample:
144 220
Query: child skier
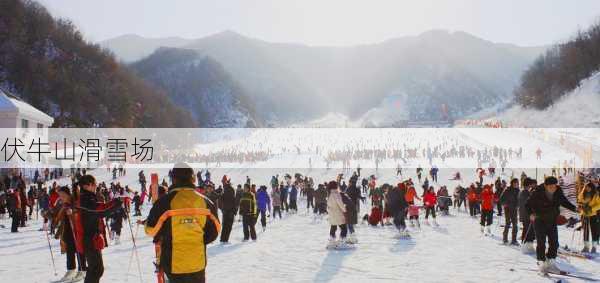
430 200
487 209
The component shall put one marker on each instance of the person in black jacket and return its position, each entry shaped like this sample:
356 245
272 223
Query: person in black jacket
92 215
510 201
229 210
543 207
397 205
527 233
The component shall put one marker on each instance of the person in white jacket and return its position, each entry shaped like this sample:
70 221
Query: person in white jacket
337 216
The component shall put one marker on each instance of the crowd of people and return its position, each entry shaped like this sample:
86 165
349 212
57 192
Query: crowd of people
88 215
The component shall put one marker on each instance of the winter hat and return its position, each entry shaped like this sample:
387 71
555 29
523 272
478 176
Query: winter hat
65 189
551 181
333 185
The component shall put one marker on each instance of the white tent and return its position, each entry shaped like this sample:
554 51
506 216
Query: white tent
15 113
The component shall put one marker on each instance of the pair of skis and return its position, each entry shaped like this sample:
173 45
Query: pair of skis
559 275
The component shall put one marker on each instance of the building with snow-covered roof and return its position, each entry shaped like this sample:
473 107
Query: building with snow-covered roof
15 113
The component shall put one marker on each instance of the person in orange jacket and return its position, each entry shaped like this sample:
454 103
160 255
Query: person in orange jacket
487 209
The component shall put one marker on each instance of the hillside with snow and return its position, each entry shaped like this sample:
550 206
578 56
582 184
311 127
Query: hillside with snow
579 108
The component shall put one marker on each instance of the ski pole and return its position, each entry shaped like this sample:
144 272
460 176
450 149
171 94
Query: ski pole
51 254
132 252
135 248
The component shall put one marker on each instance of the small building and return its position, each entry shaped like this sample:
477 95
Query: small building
18 119
15 113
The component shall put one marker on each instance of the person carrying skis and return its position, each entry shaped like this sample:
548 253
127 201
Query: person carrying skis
589 202
509 199
263 201
528 232
182 223
487 209
543 207
248 213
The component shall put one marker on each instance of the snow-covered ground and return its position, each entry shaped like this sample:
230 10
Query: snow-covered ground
293 249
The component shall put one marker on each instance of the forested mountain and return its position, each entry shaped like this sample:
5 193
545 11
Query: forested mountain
560 70
200 85
48 64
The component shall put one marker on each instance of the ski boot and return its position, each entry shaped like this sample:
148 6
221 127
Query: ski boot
68 277
549 266
594 245
79 277
586 247
343 245
514 243
332 243
352 239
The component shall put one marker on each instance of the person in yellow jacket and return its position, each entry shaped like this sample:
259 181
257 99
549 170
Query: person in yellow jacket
182 222
248 212
589 202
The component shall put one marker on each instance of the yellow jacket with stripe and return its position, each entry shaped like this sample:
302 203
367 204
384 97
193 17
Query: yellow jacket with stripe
591 202
184 221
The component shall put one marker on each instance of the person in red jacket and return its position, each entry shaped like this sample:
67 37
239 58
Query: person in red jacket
430 200
487 208
472 198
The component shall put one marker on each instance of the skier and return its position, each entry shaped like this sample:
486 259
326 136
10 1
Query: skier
430 200
321 199
487 209
116 224
543 207
284 197
589 201
419 172
14 209
509 199
336 210
397 206
294 199
413 213
355 196
473 204
528 232
137 203
70 238
276 201
92 220
310 193
499 186
248 213
228 211
182 243
263 201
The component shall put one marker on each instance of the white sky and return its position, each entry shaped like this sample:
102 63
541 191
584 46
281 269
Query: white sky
331 22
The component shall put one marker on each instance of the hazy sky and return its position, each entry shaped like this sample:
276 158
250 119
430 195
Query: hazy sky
331 22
